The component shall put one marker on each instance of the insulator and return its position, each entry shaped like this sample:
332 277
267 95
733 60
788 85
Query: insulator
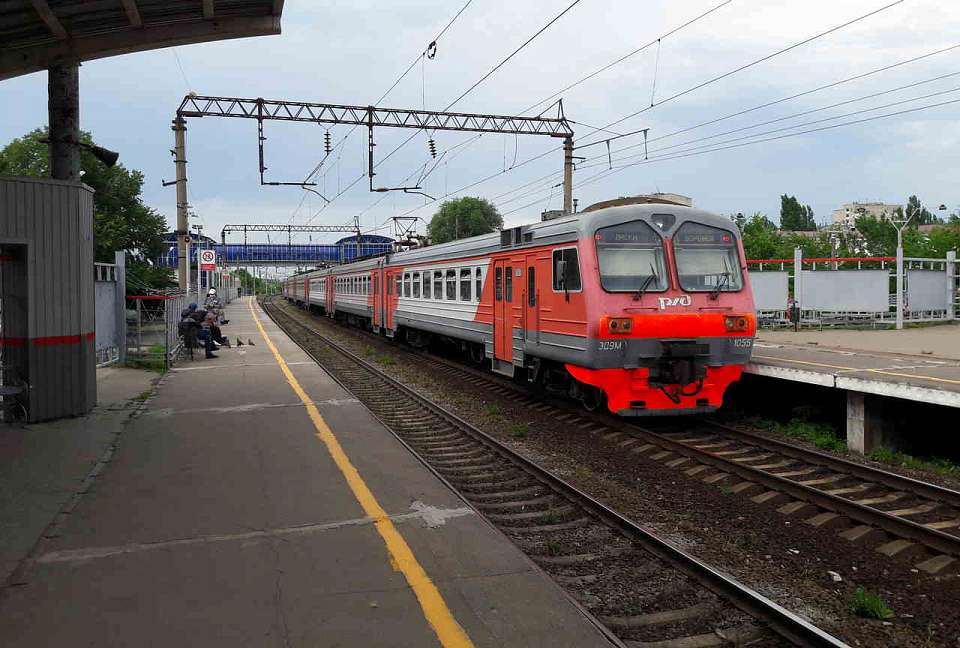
326 143
433 147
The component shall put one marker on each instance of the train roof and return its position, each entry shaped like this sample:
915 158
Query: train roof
566 229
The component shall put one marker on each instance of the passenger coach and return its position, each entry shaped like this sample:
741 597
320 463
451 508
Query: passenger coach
644 307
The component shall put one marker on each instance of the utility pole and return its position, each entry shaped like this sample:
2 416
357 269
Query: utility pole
199 229
568 174
63 107
900 224
183 231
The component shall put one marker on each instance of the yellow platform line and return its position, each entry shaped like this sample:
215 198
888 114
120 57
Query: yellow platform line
857 369
435 610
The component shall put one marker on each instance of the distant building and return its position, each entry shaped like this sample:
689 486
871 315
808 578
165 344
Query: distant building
846 217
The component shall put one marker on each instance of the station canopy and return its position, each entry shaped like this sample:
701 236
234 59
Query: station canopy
36 34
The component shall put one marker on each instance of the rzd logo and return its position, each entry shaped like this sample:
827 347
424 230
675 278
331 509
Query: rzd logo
682 300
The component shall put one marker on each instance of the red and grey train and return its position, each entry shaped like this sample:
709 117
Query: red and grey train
644 307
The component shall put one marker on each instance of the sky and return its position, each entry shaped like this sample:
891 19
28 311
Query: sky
351 53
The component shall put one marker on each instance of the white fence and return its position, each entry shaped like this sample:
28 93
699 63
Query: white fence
826 294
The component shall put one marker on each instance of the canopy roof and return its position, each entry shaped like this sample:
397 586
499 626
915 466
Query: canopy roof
35 34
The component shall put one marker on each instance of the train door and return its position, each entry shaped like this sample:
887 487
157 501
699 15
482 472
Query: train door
531 301
392 293
503 316
329 295
375 289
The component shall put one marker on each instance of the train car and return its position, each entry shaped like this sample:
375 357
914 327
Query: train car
643 308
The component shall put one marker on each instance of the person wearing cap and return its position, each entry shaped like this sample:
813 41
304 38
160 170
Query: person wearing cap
213 303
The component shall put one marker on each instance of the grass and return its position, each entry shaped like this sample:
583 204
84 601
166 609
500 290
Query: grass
869 606
387 360
492 409
897 458
819 434
551 517
552 547
520 430
152 364
142 396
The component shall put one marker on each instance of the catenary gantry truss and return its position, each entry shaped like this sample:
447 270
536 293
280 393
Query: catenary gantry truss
301 111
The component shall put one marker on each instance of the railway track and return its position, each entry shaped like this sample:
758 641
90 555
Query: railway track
913 521
645 591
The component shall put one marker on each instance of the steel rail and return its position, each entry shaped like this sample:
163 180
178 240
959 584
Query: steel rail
777 618
839 464
897 526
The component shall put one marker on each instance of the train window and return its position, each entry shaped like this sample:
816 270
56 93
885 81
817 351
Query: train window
707 259
479 290
498 284
566 270
399 285
531 286
631 258
465 281
426 285
406 284
508 284
437 284
451 284
416 285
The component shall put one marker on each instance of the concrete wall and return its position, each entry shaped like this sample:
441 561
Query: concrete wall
110 305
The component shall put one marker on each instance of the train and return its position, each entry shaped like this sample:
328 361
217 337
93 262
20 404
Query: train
643 308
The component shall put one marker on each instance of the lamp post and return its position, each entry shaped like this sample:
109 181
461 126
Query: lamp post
199 229
900 225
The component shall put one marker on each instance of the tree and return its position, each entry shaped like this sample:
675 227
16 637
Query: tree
121 220
919 215
794 216
463 217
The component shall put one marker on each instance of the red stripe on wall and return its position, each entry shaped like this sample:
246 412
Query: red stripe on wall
53 340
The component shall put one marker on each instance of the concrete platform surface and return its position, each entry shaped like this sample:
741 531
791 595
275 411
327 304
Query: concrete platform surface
885 363
43 464
239 512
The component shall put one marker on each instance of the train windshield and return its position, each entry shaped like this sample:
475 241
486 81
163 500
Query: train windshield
631 258
707 259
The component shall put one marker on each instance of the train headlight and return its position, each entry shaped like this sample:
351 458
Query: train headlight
619 325
736 323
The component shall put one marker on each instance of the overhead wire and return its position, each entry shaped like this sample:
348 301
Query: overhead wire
720 146
741 68
715 120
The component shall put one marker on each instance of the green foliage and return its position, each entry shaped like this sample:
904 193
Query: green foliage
121 220
794 216
251 284
821 435
896 458
462 218
919 215
520 430
869 606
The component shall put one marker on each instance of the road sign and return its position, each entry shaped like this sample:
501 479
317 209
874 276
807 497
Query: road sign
208 260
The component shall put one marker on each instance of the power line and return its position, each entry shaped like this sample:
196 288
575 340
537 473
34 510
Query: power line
612 64
803 113
775 102
629 55
725 146
740 69
512 54
400 78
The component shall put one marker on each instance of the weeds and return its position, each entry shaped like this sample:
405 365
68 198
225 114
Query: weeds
492 409
520 430
896 458
551 517
819 434
387 360
552 547
869 606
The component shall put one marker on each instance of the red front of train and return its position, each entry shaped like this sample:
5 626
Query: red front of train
669 312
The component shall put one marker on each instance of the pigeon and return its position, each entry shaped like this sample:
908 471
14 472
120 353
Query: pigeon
250 342
239 342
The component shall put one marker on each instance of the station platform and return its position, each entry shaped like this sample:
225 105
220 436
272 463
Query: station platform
920 365
253 502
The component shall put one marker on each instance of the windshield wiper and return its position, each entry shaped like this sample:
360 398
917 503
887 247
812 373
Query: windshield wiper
646 284
724 280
